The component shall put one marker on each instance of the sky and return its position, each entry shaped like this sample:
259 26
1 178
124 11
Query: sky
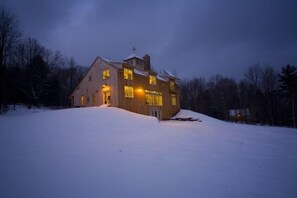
192 38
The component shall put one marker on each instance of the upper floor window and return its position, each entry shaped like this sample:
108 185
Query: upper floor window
128 74
105 74
129 92
153 80
173 99
172 85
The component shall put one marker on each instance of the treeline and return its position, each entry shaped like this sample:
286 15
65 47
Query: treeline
267 96
29 72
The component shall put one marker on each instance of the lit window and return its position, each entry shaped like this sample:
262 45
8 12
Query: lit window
105 74
172 85
153 98
129 92
173 99
153 80
83 101
128 74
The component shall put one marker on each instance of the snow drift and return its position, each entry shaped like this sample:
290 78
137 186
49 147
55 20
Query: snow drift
109 152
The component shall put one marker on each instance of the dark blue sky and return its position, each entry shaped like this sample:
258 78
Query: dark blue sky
189 37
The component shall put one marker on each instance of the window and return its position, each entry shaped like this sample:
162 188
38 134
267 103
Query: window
90 78
128 74
82 101
172 85
129 92
93 99
153 80
173 99
105 74
153 98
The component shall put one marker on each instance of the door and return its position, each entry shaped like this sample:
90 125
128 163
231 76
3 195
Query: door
155 113
106 97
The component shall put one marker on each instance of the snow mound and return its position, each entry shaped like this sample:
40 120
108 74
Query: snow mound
110 152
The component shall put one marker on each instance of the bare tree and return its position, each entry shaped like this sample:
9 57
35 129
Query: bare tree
269 86
9 35
253 76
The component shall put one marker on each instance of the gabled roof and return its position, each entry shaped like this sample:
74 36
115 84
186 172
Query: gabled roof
161 78
115 64
142 73
133 55
168 73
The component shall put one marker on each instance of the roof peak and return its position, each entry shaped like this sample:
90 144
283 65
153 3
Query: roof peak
133 55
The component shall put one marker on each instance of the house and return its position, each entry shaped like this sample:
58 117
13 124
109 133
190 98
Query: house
239 115
130 84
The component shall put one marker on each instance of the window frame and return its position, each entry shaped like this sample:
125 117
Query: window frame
129 91
172 85
128 74
173 99
106 74
152 79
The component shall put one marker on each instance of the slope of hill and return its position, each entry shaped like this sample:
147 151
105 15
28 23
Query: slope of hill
109 152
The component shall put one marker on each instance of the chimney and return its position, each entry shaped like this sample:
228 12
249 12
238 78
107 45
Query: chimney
147 62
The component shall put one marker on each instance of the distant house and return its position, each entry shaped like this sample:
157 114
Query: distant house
129 84
239 115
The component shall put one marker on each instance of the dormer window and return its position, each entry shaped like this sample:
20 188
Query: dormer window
128 74
172 85
152 79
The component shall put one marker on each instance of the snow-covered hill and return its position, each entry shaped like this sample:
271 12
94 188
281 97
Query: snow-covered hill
109 152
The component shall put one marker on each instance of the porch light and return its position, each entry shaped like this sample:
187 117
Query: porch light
105 88
140 91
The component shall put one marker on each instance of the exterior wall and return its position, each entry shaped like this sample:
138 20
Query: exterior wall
170 110
136 104
92 85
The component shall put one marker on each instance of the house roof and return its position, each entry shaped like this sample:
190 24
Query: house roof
133 55
161 78
166 72
115 64
142 73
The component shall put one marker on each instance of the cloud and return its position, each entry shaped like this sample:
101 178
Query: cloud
192 38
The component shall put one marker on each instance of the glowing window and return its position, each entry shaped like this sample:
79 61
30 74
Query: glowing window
82 100
173 99
153 80
172 85
105 74
153 98
129 92
128 74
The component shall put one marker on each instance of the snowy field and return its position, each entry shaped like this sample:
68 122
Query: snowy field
109 152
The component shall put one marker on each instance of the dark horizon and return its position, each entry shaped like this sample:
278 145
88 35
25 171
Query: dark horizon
192 39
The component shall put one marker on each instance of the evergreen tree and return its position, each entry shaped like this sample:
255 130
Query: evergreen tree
288 79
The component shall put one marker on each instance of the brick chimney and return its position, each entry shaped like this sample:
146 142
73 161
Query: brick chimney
147 62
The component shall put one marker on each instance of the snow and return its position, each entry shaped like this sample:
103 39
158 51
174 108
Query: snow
168 73
161 78
109 152
136 71
133 55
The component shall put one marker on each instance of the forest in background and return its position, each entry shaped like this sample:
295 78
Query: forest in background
31 74
267 96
